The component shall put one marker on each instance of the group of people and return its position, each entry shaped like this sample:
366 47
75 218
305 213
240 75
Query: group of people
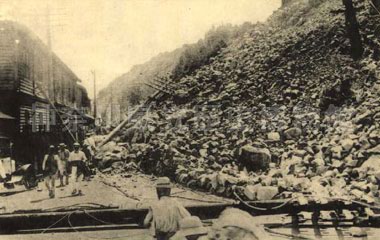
65 165
169 219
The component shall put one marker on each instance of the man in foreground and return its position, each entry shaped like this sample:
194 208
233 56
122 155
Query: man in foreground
77 161
166 214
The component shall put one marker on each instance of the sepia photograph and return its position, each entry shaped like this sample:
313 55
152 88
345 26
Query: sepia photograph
189 119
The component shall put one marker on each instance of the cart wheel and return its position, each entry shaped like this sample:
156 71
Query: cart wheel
26 184
29 183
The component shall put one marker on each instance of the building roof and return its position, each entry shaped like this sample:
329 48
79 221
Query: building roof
4 116
32 36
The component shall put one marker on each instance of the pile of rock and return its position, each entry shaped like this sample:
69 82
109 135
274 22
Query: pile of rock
281 110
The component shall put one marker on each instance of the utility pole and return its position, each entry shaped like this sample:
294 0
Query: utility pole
94 78
111 102
50 27
51 89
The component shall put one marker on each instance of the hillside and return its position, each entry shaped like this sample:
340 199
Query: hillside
285 100
130 89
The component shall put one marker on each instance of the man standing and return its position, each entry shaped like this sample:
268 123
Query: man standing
89 148
50 169
77 161
63 155
166 214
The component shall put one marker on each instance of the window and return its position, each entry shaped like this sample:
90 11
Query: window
41 124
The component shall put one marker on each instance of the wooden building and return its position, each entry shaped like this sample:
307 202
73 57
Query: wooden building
40 97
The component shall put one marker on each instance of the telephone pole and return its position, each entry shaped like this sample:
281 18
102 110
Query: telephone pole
111 102
94 78
51 89
49 27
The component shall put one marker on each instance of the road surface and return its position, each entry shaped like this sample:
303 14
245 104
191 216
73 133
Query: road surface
134 191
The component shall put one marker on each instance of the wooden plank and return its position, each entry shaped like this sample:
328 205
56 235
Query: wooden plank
22 221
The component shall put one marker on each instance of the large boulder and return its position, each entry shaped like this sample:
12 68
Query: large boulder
254 158
274 136
292 133
181 116
372 163
250 191
266 193
347 144
364 118
259 192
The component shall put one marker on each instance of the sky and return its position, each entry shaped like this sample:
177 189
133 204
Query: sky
110 36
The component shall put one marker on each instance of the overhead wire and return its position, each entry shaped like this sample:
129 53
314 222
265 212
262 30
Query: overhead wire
96 237
263 209
56 110
97 219
46 229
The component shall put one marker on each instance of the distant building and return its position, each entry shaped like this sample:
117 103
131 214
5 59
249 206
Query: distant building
35 85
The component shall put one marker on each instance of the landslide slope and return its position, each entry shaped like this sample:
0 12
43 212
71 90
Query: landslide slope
287 91
131 88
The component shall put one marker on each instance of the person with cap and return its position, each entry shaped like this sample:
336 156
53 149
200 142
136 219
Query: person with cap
77 160
166 213
50 169
190 228
63 156
89 148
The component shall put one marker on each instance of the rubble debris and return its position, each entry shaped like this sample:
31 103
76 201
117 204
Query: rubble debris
265 114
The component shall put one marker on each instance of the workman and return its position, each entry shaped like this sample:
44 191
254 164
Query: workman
50 170
166 214
77 161
63 156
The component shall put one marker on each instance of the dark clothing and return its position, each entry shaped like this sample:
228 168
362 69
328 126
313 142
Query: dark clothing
50 165
163 235
80 167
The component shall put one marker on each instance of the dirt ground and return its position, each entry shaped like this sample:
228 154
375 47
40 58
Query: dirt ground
94 192
132 191
136 191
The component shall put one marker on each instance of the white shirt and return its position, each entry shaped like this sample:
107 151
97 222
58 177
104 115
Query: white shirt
166 214
77 156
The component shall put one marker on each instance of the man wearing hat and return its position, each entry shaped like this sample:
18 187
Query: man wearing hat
166 213
63 156
77 161
50 169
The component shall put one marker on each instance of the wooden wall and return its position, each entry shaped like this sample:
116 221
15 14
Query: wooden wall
25 57
7 59
28 73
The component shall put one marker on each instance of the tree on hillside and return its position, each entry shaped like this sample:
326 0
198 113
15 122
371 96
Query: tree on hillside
352 26
198 54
